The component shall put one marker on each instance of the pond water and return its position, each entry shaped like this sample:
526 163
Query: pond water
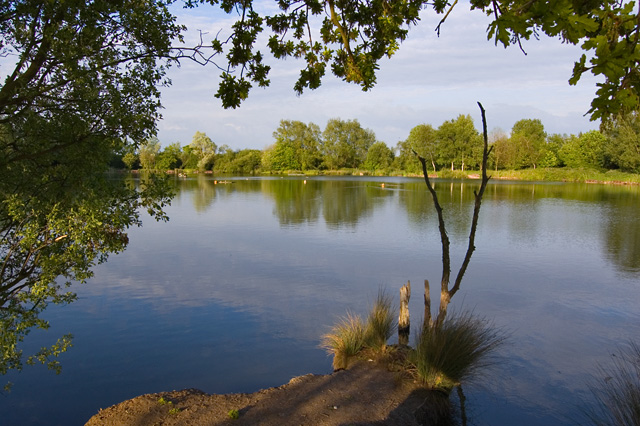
235 291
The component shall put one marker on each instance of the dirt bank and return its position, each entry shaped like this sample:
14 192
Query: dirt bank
365 394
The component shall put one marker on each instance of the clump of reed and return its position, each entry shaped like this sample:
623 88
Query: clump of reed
617 390
381 324
345 340
351 335
454 350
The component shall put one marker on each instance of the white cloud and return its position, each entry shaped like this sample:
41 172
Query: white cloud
430 80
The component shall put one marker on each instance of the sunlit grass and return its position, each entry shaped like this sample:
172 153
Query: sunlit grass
381 322
617 391
345 340
351 335
455 350
566 174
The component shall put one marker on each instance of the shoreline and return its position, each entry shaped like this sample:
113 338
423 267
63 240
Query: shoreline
366 393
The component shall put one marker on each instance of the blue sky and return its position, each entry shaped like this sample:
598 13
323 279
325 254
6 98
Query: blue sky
430 80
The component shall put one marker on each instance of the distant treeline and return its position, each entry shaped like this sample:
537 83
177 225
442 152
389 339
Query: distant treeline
455 145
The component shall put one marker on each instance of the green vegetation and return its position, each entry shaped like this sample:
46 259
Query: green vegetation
233 414
163 401
351 335
617 390
85 83
345 340
454 350
446 352
453 150
80 83
380 323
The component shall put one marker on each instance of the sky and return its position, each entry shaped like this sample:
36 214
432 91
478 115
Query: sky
429 80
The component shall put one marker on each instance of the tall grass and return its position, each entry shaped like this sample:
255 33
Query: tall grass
381 322
454 350
617 391
351 335
345 340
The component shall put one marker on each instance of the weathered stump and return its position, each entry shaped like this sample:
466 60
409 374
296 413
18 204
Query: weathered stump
404 325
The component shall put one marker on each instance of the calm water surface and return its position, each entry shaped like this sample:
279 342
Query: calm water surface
233 294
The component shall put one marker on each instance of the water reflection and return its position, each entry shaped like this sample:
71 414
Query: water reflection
296 201
234 292
345 203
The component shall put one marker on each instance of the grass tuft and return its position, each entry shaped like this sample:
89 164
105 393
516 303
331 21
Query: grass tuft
617 391
344 340
455 350
381 323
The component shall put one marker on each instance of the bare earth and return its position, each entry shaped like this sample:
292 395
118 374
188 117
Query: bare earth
365 394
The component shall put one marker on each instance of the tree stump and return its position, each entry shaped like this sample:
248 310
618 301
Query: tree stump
403 321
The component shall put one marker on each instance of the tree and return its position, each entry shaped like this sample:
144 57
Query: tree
584 151
458 142
130 160
189 158
422 139
502 154
379 157
623 149
447 291
204 149
280 157
148 152
169 158
405 159
529 138
345 143
356 35
303 139
84 85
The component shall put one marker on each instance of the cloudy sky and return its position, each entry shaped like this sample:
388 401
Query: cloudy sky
430 80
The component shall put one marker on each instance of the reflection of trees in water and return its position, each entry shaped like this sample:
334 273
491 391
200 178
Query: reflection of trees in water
622 229
344 203
296 202
456 199
203 192
619 227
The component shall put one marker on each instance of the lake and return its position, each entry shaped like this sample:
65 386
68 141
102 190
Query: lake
234 293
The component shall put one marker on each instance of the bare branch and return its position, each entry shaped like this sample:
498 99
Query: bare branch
445 17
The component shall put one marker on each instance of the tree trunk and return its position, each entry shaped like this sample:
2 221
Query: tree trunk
404 325
427 306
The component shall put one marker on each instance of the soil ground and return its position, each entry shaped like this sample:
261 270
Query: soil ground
365 394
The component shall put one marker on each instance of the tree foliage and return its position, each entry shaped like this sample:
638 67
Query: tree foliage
623 147
345 144
81 83
301 142
379 157
148 152
350 38
459 143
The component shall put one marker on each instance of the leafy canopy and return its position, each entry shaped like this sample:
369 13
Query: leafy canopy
81 83
351 37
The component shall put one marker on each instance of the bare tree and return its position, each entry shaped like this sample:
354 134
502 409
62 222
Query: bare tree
447 292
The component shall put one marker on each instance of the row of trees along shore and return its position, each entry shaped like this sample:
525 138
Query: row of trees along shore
455 145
